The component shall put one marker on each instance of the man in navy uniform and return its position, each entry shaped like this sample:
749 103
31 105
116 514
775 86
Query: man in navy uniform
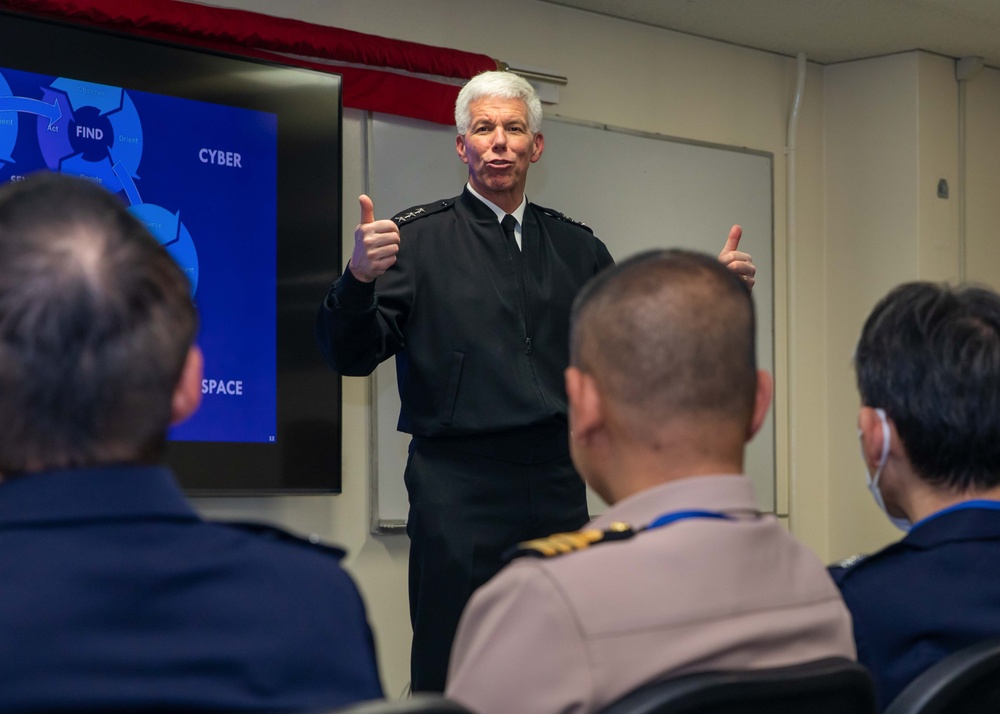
682 573
116 595
472 294
928 370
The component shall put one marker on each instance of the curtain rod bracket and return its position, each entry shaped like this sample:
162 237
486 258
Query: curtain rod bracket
534 75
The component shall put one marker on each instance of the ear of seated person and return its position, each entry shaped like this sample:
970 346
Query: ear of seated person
682 573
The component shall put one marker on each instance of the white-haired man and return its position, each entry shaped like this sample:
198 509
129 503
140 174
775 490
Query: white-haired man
472 294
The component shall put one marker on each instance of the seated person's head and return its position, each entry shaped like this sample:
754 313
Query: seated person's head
662 359
96 330
928 369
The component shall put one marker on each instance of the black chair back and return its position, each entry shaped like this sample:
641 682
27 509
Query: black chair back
965 682
828 686
417 704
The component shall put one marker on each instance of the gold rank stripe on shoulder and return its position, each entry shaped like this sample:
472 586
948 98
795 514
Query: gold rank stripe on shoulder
562 543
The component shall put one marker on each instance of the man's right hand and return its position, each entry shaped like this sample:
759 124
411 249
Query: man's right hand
376 244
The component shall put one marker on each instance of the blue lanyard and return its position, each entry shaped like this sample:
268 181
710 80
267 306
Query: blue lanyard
981 504
668 518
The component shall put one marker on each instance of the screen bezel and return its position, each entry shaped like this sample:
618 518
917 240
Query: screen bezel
306 454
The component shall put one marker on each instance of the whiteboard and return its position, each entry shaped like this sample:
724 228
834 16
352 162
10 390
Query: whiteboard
636 190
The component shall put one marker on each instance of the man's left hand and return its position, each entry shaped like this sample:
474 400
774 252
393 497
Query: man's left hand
739 262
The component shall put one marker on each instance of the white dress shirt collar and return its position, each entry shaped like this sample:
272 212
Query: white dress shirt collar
518 212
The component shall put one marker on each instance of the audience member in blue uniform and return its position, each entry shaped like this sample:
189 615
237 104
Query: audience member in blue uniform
928 369
115 594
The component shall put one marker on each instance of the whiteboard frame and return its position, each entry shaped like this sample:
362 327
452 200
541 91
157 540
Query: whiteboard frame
384 526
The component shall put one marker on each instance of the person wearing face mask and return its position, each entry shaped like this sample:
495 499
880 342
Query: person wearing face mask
928 371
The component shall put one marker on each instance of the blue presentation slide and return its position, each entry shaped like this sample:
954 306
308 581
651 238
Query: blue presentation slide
203 178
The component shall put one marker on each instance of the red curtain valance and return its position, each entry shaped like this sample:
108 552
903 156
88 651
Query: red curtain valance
378 74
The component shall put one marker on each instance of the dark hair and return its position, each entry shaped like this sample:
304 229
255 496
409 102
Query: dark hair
930 356
96 320
671 333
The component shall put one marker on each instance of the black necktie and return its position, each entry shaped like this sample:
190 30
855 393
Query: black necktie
508 224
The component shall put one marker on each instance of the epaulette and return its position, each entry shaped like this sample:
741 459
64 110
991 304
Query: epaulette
563 217
274 533
412 214
851 560
562 543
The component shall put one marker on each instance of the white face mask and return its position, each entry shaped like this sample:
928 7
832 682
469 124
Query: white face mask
903 524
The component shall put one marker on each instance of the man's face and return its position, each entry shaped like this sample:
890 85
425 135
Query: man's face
498 148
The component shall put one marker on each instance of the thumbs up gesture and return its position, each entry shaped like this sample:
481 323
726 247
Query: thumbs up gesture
736 260
376 244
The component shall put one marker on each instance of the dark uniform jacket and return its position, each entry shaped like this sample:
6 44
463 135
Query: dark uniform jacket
475 353
924 597
115 595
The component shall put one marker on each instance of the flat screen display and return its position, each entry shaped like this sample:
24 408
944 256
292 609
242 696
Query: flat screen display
234 166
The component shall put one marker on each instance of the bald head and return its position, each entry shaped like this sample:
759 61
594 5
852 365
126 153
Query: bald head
668 336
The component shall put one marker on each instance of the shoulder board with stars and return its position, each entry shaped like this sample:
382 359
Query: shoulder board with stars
563 217
852 560
562 543
412 214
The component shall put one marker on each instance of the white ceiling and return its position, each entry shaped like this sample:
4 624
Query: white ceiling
827 31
